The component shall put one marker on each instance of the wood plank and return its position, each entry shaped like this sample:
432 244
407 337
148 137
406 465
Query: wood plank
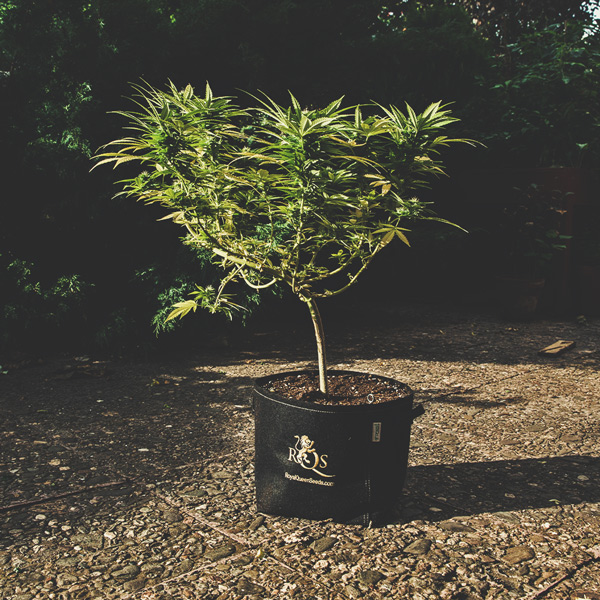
557 348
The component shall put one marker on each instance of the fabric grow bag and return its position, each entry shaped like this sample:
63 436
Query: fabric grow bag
347 463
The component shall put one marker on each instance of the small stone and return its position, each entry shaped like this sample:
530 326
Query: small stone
352 592
256 523
536 427
64 580
134 585
518 554
127 572
511 441
455 526
573 437
222 475
323 544
195 493
418 547
184 566
93 541
370 577
152 569
220 552
506 516
247 587
69 561
172 516
242 560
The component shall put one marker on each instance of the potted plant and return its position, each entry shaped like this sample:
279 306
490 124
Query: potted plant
304 198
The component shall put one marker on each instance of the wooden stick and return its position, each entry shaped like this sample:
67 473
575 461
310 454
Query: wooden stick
44 499
570 572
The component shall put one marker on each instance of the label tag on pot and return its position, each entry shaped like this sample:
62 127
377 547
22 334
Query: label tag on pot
376 434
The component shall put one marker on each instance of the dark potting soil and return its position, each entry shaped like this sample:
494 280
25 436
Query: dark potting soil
344 388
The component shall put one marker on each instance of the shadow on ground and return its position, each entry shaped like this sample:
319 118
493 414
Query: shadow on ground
444 491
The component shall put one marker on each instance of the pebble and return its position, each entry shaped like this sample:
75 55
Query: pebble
93 541
352 592
506 516
518 554
196 493
455 526
323 544
418 547
134 585
220 552
370 577
65 580
152 568
256 523
222 475
172 516
184 566
127 572
69 561
247 587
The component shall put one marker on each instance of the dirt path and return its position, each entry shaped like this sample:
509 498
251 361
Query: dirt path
134 478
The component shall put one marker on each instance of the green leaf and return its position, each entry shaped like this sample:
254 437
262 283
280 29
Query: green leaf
402 237
181 309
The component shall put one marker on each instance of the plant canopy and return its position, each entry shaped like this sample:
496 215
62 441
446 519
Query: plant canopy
305 197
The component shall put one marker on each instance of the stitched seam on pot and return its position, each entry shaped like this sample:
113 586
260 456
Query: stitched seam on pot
368 513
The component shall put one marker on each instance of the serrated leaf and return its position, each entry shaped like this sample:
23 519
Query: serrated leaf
175 216
181 309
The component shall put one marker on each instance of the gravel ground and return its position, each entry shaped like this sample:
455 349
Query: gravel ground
133 479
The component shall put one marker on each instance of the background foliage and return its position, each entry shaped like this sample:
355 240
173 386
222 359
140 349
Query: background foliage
79 268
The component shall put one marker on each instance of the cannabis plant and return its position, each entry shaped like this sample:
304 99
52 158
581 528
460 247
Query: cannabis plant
281 195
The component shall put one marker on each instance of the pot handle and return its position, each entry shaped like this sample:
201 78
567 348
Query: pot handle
417 411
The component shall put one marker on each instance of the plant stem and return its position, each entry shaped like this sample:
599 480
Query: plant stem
320 338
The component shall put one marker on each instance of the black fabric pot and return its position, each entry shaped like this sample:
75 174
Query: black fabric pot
347 463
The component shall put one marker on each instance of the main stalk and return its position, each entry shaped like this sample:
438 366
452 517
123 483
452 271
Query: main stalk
320 339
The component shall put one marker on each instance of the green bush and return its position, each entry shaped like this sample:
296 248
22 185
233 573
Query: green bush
31 311
539 109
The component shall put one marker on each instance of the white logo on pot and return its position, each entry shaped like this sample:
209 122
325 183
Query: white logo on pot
305 455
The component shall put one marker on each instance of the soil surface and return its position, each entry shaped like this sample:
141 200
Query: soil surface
345 389
131 478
